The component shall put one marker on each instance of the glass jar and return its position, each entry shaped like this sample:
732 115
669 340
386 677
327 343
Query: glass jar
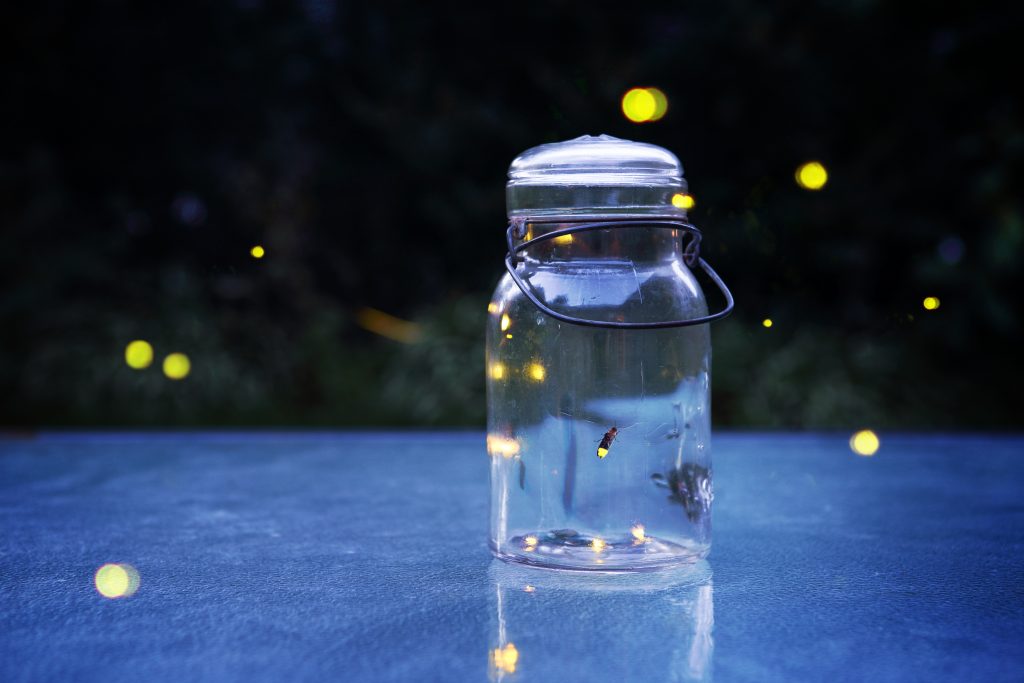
598 364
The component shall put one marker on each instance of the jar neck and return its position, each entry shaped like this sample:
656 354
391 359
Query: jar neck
615 244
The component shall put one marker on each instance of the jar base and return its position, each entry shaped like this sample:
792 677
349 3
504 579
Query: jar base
568 549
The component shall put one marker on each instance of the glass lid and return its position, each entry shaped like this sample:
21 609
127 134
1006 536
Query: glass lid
594 176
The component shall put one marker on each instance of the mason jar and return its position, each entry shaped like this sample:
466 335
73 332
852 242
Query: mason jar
598 364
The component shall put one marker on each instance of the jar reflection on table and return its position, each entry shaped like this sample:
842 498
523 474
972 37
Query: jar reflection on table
649 627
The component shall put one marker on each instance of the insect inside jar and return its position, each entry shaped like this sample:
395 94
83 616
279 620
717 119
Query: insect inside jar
606 442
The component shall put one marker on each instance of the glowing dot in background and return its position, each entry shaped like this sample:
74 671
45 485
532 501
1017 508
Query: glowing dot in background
865 442
811 176
597 545
138 354
506 322
931 303
387 325
504 659
529 589
563 239
683 201
639 105
116 580
660 104
536 372
492 307
177 366
767 322
530 543
497 370
638 532
258 251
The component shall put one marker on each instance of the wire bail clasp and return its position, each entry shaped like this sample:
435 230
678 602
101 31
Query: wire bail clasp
691 255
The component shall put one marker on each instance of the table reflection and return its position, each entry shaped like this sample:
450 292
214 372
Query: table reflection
551 625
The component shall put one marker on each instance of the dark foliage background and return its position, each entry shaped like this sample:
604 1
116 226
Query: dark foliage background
148 146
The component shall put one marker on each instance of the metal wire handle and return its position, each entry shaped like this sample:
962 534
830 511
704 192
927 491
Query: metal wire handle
691 255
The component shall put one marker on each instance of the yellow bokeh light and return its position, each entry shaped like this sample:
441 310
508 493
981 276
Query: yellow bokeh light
506 322
536 372
530 543
597 545
639 105
116 580
683 201
503 446
497 371
639 533
492 307
387 325
504 659
767 322
660 104
563 239
865 442
930 303
529 589
258 251
177 366
811 176
138 354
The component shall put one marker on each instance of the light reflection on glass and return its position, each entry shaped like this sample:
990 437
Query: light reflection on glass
536 372
503 446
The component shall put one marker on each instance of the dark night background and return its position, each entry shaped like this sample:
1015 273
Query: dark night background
148 146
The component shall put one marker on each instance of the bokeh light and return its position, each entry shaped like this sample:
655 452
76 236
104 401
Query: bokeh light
811 176
638 532
387 325
117 580
177 366
505 659
660 104
506 322
503 446
563 239
536 372
767 322
530 543
492 307
865 442
497 370
529 589
683 201
258 251
597 545
931 303
138 354
639 105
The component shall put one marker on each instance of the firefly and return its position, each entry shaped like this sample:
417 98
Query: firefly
606 442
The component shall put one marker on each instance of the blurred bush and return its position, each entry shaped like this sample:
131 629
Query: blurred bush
150 147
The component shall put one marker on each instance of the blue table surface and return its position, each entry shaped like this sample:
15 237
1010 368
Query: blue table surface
363 557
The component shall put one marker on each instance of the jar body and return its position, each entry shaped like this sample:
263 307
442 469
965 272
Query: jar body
599 438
